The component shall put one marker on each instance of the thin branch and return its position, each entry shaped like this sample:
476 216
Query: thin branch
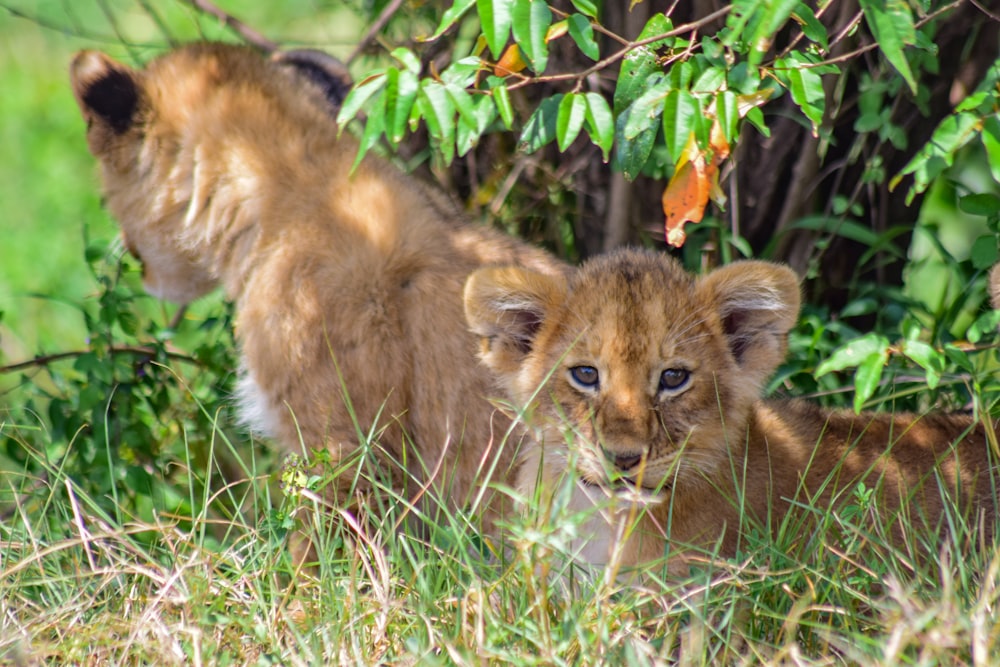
874 45
376 27
595 25
136 350
848 27
239 27
618 55
995 17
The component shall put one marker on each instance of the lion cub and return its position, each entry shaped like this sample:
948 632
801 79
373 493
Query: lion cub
647 380
223 167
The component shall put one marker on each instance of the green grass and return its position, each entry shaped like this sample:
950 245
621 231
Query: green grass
216 586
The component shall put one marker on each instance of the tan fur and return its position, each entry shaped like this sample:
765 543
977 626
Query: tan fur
707 451
228 169
995 287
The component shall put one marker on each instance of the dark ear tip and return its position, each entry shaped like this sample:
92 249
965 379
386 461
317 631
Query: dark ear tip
105 89
329 73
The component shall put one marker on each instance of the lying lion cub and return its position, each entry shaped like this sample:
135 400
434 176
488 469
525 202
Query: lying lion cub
225 167
648 381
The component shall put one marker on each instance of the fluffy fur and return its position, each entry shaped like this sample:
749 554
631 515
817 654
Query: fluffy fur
223 167
646 381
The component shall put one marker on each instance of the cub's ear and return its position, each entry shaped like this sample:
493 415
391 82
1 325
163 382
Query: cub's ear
758 303
995 287
507 306
106 91
330 74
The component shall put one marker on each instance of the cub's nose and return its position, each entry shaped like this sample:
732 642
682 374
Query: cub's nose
624 461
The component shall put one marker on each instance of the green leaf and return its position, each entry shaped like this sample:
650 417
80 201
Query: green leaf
463 101
451 16
582 33
984 252
811 26
680 75
407 59
638 67
468 133
657 24
891 23
631 156
844 227
501 97
951 134
980 204
495 17
681 112
462 73
572 111
927 358
853 353
710 81
980 102
439 114
985 325
756 118
646 110
600 123
400 92
531 21
991 142
775 14
374 126
727 112
867 376
806 87
359 96
540 129
588 7
640 64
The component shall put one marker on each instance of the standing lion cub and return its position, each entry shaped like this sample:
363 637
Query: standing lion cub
644 382
223 167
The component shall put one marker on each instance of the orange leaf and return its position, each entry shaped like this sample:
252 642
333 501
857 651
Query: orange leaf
694 181
684 198
511 62
717 142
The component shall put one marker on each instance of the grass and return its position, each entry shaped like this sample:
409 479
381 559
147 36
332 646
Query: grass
214 584
197 570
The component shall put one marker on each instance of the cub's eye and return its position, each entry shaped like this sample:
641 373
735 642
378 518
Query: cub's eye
584 376
673 378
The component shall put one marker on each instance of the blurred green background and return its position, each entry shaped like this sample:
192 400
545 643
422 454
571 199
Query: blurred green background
49 198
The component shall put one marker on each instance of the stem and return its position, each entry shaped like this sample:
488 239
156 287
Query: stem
233 23
376 27
631 46
135 350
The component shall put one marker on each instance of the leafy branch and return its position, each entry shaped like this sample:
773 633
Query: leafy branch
133 350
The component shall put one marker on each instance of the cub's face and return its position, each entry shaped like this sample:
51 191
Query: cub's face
652 370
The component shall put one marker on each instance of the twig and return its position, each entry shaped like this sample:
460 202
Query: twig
618 55
874 45
995 17
376 27
137 350
239 27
